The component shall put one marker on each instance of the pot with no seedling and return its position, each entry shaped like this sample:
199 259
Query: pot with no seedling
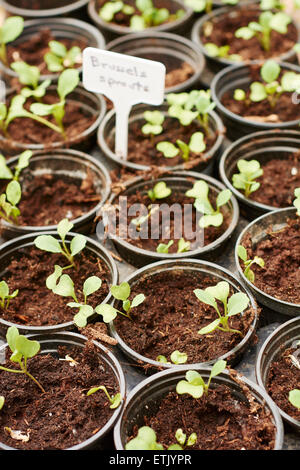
270 255
157 219
183 60
40 8
143 152
25 268
32 45
277 369
57 184
277 153
231 90
156 396
69 356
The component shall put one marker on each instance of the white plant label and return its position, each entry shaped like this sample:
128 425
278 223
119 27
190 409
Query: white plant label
126 81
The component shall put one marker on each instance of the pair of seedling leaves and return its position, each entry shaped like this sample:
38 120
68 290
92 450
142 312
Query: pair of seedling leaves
206 5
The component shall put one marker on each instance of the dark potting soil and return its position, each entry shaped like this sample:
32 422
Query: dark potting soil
283 377
64 415
183 222
221 31
35 304
280 277
33 50
171 316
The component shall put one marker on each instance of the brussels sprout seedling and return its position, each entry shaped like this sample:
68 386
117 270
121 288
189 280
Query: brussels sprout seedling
249 172
159 191
294 398
164 247
114 400
176 357
59 57
154 123
5 296
182 440
121 292
10 30
196 145
145 440
296 201
29 75
223 52
194 384
242 254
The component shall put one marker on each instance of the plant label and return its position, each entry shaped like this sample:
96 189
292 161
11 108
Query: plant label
126 81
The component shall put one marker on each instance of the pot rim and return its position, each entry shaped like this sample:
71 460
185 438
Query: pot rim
119 374
45 12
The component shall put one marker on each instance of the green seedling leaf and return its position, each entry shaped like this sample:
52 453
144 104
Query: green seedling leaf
63 227
5 172
168 149
2 401
179 99
11 29
115 400
249 172
220 291
159 191
67 82
137 23
164 248
85 311
13 192
108 312
239 95
162 359
193 385
27 74
23 163
48 243
237 303
138 299
145 440
121 292
26 347
65 287
257 92
296 201
91 285
217 368
178 358
109 9
51 280
223 197
197 143
77 244
294 398
183 246
270 71
245 33
154 120
210 327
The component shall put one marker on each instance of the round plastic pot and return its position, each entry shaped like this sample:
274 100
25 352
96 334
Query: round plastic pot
106 133
281 339
144 400
170 49
261 146
112 30
215 64
217 273
49 345
26 242
92 104
58 8
238 76
179 181
257 230
61 28
62 163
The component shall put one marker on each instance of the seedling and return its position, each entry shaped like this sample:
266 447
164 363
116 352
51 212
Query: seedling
139 221
262 29
29 75
8 202
223 52
249 172
110 9
154 123
202 204
59 57
11 29
151 16
182 440
183 246
2 401
22 349
194 384
249 274
164 248
196 145
176 357
296 201
145 440
5 296
114 400
206 5
159 191
121 292
294 398
52 245
236 304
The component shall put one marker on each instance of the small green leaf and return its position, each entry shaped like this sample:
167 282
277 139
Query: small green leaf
13 192
2 401
145 440
138 299
237 303
67 82
77 244
65 287
294 398
121 292
223 197
178 358
26 347
91 285
11 29
218 367
242 253
63 227
108 312
209 328
51 280
168 149
48 243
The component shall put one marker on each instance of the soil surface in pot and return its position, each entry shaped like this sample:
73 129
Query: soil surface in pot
221 31
283 377
283 111
33 50
35 304
171 316
281 173
280 250
64 415
165 225
142 148
49 198
221 420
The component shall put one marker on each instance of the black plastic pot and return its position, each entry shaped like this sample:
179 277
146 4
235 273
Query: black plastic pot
144 400
21 245
217 274
111 30
261 146
92 104
281 339
70 163
106 133
215 64
170 49
61 28
179 181
238 76
257 231
58 8
49 345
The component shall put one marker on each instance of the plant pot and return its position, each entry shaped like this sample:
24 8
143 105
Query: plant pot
62 29
145 397
257 231
187 267
238 76
106 133
281 339
261 146
62 163
181 182
49 345
172 50
92 105
16 7
21 245
111 30
215 64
